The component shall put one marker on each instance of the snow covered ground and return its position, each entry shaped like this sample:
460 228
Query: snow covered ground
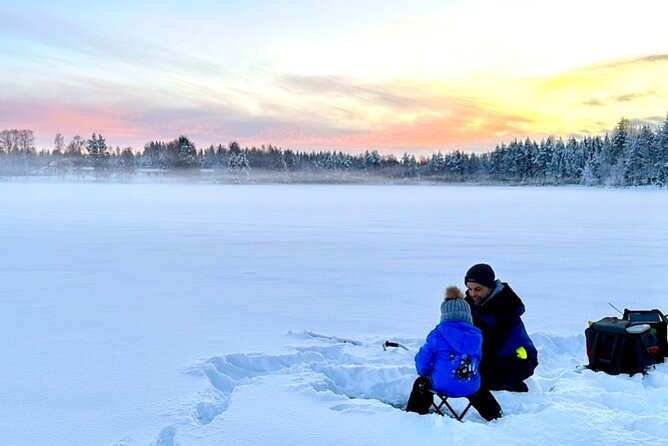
175 314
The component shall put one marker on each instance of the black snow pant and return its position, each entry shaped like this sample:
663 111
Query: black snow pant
421 399
507 373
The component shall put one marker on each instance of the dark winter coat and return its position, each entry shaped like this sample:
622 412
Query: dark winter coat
499 318
451 357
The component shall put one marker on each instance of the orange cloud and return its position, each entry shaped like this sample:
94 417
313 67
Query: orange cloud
478 130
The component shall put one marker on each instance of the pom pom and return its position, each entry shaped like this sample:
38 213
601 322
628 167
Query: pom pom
453 292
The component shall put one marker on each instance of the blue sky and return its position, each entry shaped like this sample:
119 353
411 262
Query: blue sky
387 75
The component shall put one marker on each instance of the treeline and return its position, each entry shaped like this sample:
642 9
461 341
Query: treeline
630 156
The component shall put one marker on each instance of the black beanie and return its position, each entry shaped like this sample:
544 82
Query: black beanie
481 273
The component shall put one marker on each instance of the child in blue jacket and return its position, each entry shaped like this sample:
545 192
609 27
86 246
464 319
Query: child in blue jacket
448 362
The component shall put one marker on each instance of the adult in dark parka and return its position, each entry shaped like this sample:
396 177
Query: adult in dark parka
509 356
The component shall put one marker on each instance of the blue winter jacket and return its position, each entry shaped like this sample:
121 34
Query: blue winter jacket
451 357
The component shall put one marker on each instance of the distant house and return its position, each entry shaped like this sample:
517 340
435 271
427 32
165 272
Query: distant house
207 174
146 172
60 167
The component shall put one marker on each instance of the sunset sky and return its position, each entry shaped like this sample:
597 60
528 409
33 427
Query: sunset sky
390 75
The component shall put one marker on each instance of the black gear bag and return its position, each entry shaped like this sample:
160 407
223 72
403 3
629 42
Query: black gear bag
658 325
617 346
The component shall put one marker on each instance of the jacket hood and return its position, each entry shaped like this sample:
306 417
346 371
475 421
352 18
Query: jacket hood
502 298
459 334
498 286
506 300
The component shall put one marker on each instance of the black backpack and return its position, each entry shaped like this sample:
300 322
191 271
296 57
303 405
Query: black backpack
617 346
658 325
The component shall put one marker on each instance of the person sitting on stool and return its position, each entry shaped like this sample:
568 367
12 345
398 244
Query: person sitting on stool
448 361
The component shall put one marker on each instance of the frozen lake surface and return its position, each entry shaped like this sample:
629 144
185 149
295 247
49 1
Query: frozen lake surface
175 314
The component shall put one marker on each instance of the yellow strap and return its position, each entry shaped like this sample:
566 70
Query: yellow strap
521 353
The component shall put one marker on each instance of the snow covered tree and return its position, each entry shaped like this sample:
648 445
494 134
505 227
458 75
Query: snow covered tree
573 161
638 165
182 153
98 154
75 147
155 155
530 160
238 166
556 169
620 139
332 161
516 158
409 165
588 178
498 163
612 153
661 155
5 142
591 151
288 160
345 161
436 163
457 164
477 165
234 148
126 162
371 160
58 144
544 159
615 175
209 158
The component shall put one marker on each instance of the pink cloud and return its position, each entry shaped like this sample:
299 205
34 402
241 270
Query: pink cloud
48 119
461 125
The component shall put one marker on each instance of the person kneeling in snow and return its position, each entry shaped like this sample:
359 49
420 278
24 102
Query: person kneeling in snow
509 355
448 361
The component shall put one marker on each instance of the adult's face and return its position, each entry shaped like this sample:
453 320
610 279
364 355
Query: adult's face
477 292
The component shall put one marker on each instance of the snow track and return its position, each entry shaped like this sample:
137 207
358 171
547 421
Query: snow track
329 375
